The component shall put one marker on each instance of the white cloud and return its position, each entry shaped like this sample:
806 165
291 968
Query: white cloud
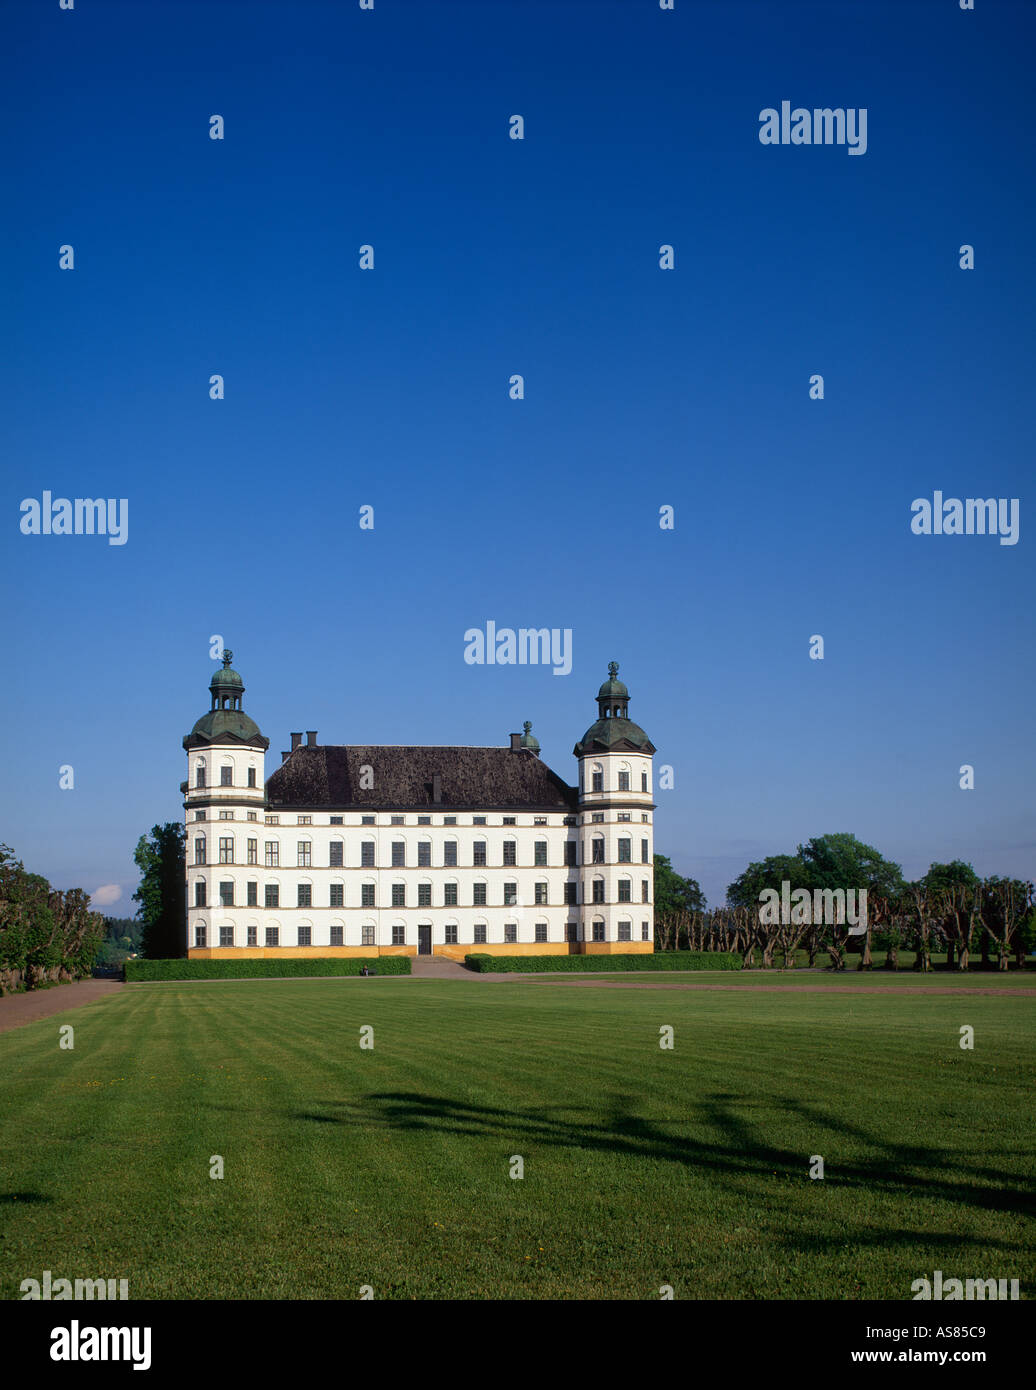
104 896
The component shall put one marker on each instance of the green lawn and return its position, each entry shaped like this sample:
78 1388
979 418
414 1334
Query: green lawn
643 1167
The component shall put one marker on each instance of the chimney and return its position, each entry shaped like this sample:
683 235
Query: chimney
311 738
285 756
516 743
436 787
296 739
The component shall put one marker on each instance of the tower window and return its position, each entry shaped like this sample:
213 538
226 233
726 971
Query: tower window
226 894
366 899
625 890
625 850
226 936
570 893
510 894
273 899
539 852
598 931
424 854
625 931
337 854
541 894
199 893
424 895
199 936
199 850
226 849
398 854
305 898
199 778
449 895
644 852
251 776
252 936
273 854
624 781
644 890
510 931
337 896
367 935
510 852
479 852
451 934
337 936
449 854
253 851
305 859
479 895
598 851
597 783
598 890
305 936
645 931
541 931
643 782
570 853
252 889
272 935
226 776
399 895
367 854
398 934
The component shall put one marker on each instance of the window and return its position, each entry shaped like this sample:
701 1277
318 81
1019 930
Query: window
539 820
304 820
226 815
572 931
479 852
252 847
624 781
337 858
252 895
645 931
450 895
644 891
251 815
226 894
226 936
644 852
199 815
510 931
367 935
367 854
199 893
337 936
199 932
273 854
625 815
424 854
625 890
598 890
424 820
510 894
480 933
539 852
598 931
598 818
398 854
337 896
570 894
570 820
399 895
451 935
251 776
424 895
449 820
199 781
367 820
199 850
226 849
645 818
399 820
305 936
643 782
479 895
252 935
337 820
399 934
598 850
367 895
510 852
541 894
597 784
625 931
272 820
273 936
510 820
226 779
305 859
449 854
478 820
273 897
570 853
625 850
541 931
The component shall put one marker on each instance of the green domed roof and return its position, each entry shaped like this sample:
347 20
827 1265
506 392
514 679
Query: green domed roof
226 679
221 723
607 733
612 688
528 739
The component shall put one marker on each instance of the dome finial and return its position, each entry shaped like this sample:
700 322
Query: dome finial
613 669
527 726
228 656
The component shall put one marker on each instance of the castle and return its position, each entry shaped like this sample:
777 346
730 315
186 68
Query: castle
367 850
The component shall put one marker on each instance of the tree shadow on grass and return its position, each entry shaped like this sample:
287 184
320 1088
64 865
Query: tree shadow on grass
738 1148
26 1197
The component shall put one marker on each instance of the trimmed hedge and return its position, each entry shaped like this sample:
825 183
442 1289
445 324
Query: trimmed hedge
659 960
251 969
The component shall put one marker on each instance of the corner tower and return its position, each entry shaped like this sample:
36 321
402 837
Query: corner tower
225 789
616 814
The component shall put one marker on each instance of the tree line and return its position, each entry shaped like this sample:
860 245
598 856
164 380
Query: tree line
46 935
950 909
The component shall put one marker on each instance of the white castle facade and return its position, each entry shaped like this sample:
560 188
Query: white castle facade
368 850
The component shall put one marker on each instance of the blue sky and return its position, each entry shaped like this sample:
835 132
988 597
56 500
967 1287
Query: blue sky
644 388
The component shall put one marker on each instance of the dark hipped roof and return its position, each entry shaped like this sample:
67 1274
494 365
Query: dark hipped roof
477 778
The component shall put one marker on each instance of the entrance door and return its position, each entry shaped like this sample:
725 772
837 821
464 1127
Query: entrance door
424 939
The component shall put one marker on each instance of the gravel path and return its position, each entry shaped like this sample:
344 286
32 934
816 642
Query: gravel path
16 1009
